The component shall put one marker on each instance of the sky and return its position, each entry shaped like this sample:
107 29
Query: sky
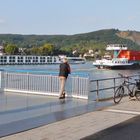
51 17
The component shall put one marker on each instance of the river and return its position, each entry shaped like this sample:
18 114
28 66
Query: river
77 69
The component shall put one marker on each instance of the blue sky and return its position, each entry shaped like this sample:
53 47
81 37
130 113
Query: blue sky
67 16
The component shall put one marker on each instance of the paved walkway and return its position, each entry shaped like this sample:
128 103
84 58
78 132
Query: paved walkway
20 112
84 125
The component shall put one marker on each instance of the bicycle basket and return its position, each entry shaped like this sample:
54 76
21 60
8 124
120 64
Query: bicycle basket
138 85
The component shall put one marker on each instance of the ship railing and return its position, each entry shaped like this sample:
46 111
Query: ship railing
28 83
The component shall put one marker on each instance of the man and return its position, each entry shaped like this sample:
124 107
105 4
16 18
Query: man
64 71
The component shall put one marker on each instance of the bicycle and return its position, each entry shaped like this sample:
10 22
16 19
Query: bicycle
133 92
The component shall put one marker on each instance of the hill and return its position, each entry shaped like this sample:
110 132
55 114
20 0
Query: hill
131 35
92 40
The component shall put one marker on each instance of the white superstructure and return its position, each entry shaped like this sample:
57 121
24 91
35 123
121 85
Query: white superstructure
116 47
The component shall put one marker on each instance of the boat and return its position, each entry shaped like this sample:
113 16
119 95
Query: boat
37 60
122 58
76 60
115 63
28 60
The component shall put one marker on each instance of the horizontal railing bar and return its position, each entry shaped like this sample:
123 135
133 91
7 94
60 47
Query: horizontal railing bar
101 89
104 89
105 79
112 78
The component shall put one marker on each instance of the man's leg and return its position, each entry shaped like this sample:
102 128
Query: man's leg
62 85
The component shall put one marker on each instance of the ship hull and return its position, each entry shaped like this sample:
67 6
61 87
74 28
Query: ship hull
119 67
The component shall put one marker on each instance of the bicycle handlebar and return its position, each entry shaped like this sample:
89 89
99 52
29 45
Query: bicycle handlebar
124 76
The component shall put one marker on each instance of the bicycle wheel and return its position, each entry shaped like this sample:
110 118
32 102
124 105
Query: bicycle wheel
132 91
137 94
118 94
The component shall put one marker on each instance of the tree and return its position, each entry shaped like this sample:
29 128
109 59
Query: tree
35 51
47 49
11 49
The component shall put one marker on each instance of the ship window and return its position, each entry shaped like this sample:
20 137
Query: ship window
20 60
35 60
11 60
29 57
27 61
20 57
42 57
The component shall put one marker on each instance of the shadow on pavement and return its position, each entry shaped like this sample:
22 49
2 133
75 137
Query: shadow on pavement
127 130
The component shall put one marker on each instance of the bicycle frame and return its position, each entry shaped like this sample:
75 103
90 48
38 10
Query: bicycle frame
126 84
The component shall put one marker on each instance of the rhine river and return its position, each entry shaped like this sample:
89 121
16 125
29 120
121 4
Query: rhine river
86 69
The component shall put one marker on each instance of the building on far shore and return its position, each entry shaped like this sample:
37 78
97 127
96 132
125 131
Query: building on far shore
1 50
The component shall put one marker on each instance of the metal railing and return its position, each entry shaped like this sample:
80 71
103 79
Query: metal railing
45 84
78 87
104 88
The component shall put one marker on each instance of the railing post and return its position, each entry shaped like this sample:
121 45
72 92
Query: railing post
97 93
89 86
51 84
28 86
77 85
114 84
2 80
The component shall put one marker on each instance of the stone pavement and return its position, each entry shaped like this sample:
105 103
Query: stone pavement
81 126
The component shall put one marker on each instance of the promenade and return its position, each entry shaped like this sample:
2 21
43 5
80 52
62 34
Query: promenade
68 124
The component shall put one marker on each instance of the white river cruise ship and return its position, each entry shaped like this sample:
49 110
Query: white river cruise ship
28 60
